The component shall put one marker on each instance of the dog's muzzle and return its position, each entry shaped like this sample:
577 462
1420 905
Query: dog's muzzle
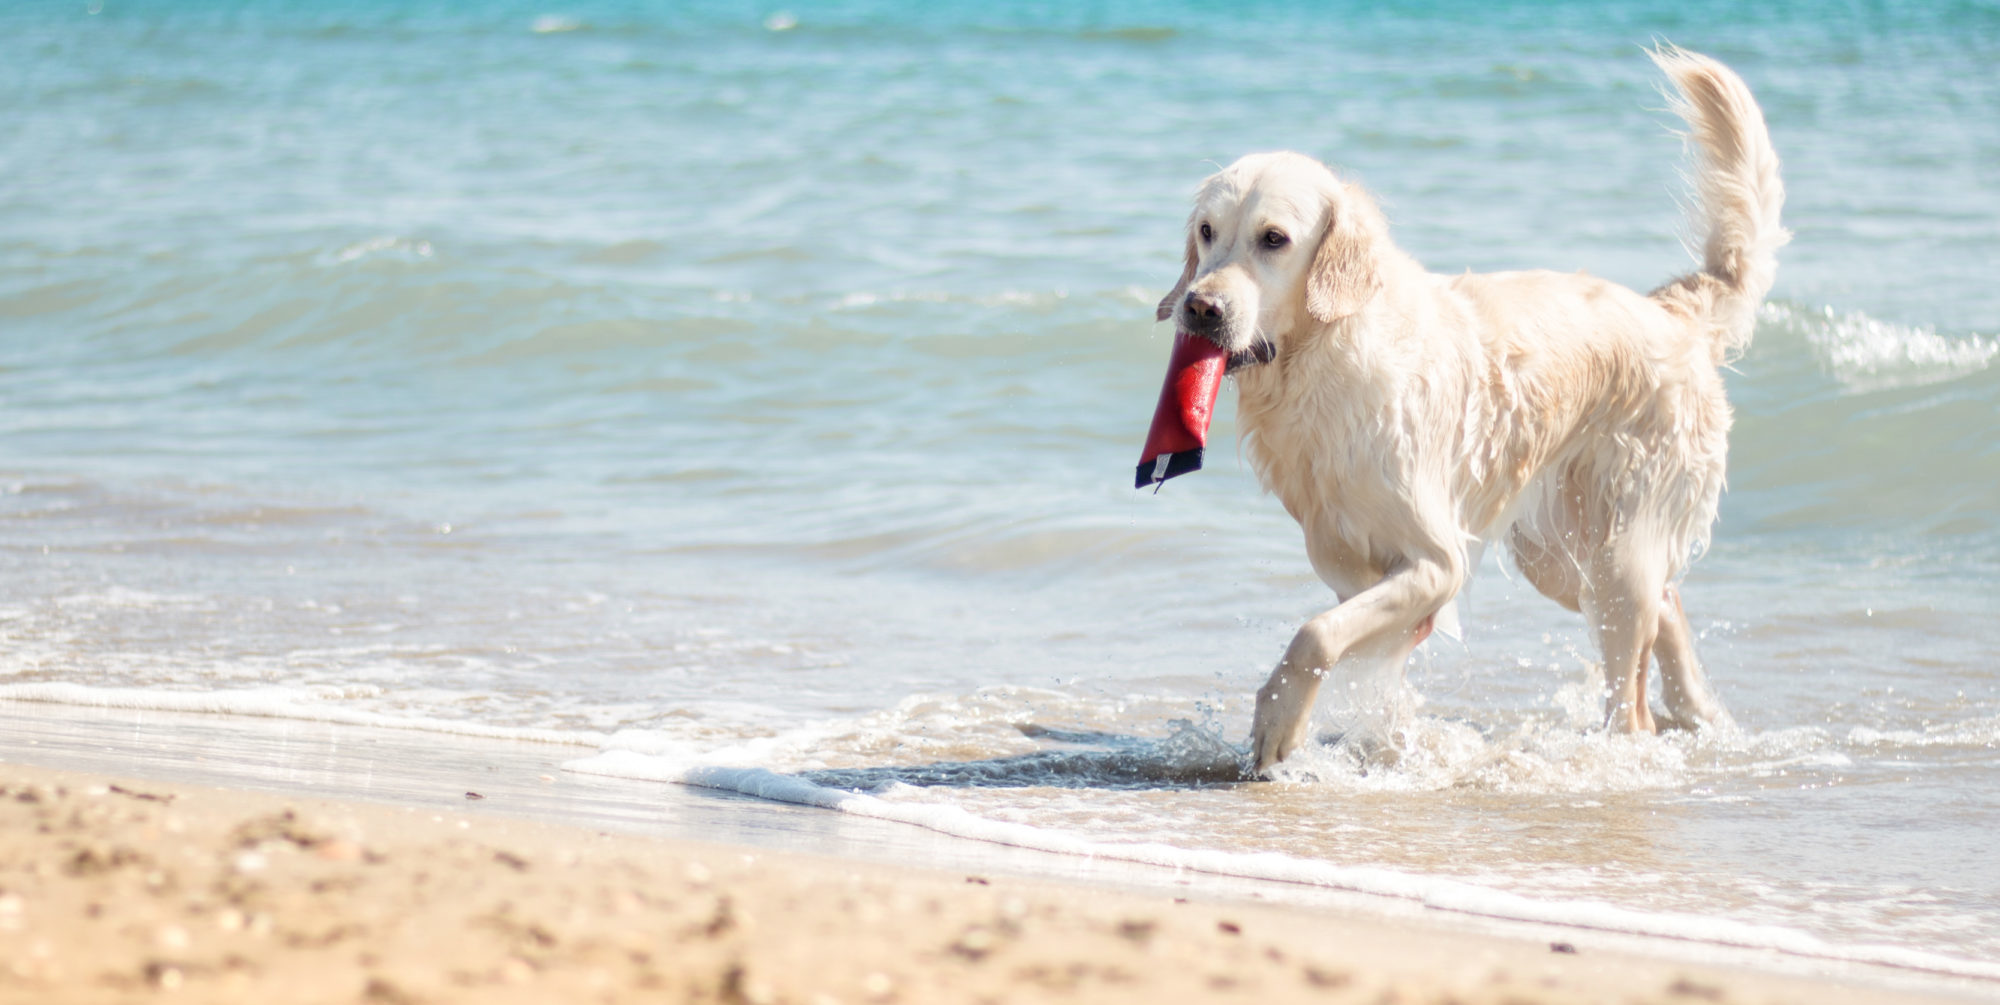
1206 316
1260 351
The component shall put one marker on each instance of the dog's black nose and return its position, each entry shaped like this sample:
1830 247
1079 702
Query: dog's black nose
1203 312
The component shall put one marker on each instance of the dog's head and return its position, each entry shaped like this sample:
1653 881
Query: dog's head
1275 241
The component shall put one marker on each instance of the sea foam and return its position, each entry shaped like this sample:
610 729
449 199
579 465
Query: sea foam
1434 892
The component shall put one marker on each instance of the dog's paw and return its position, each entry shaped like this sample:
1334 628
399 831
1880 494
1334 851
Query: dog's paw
1263 759
1671 723
1714 719
1270 743
1278 725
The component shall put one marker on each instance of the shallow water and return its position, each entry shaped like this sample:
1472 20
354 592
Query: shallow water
726 389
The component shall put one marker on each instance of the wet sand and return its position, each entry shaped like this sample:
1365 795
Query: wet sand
115 889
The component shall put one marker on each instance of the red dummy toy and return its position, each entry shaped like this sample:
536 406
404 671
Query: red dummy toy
1187 403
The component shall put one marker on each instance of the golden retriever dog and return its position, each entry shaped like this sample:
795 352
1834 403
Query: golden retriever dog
1405 418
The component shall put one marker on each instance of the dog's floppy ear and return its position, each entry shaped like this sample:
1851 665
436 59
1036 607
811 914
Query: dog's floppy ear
1173 300
1345 271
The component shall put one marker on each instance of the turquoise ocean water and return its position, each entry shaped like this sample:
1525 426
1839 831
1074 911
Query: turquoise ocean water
748 394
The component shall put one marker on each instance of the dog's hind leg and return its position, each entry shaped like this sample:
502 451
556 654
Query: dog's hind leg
1684 688
1395 613
1621 597
1690 702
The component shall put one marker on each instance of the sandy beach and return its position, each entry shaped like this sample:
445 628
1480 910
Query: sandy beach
117 889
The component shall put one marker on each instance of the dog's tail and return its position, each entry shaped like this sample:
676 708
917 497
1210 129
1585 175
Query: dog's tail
1740 194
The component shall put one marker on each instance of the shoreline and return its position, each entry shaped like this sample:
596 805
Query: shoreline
364 870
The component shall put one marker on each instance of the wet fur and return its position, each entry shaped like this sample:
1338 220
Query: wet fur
1406 417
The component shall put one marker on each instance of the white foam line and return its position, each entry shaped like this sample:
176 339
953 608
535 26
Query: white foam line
279 703
1433 892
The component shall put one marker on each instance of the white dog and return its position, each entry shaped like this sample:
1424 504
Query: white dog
1404 417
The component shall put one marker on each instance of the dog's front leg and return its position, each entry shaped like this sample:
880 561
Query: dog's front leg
1285 702
1399 609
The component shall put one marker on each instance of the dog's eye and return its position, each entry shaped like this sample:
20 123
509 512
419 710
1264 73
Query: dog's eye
1207 234
1275 239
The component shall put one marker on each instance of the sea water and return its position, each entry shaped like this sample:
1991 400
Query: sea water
747 395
